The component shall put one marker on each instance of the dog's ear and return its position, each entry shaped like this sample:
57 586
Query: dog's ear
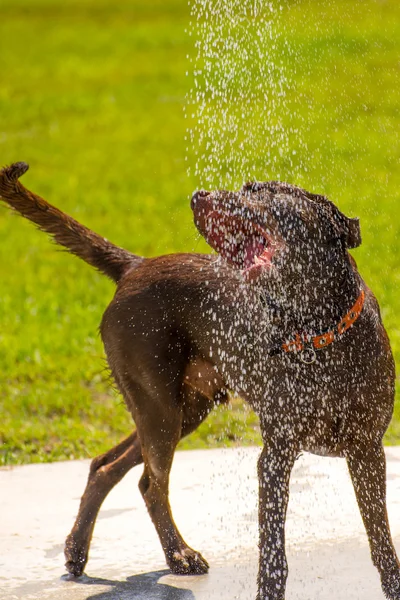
346 228
353 233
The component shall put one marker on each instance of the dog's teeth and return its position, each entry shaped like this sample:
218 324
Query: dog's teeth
260 260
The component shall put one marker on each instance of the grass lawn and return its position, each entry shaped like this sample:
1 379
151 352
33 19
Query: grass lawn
92 96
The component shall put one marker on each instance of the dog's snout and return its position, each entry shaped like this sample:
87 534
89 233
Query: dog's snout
197 196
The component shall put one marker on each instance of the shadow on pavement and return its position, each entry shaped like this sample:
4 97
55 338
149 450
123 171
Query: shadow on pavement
138 587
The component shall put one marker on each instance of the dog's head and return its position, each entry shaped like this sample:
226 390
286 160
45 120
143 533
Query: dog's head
275 232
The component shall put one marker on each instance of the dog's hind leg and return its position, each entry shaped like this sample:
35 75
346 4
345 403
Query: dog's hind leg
158 452
105 472
367 468
179 409
202 389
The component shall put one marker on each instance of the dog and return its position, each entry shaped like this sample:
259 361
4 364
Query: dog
281 316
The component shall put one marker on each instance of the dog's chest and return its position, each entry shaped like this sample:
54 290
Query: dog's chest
308 402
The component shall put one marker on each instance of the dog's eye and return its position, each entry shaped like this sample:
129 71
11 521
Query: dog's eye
303 215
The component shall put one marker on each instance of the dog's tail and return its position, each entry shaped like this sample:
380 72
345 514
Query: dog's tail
78 239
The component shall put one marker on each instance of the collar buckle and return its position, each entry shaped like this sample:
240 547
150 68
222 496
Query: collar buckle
308 356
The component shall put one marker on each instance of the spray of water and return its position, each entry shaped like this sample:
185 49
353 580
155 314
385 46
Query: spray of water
237 105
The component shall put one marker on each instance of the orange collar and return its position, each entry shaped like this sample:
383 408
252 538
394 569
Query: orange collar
301 341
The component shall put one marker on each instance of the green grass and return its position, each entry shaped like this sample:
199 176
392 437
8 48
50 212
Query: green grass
92 96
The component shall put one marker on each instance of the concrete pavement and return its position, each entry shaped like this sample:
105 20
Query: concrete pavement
214 501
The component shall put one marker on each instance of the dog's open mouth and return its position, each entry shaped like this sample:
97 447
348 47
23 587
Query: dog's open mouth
243 243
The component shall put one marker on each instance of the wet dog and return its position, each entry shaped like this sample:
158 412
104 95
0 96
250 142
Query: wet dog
282 317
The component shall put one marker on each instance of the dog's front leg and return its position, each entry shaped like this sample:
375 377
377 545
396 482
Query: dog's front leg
367 466
274 468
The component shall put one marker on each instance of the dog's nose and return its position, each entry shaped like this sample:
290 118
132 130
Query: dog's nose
197 196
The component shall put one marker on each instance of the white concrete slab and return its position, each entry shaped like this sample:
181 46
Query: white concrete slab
214 501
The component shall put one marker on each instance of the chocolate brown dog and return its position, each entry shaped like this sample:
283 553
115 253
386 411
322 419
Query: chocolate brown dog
282 317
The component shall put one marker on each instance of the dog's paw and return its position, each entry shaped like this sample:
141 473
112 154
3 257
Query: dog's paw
391 586
187 562
75 557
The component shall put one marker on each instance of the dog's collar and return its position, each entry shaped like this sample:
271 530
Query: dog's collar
306 345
